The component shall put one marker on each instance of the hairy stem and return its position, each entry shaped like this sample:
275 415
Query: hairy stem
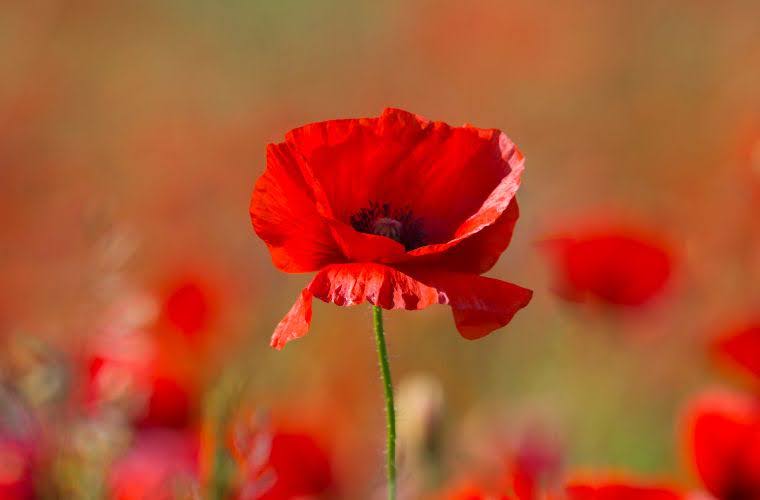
390 410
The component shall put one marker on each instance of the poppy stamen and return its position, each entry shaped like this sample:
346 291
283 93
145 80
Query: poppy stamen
398 224
388 227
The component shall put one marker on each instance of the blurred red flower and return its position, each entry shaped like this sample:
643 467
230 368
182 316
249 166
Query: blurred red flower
397 211
300 466
279 464
131 371
151 364
619 490
16 469
529 475
468 491
741 346
575 490
723 442
188 307
536 464
616 266
160 465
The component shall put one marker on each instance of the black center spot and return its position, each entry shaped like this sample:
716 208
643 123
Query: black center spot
398 224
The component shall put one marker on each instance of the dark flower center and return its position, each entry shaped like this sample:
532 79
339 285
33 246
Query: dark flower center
398 224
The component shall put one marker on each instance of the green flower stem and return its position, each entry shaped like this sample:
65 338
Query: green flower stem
390 410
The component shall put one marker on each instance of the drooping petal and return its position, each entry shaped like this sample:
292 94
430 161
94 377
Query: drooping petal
479 304
296 323
285 216
742 347
389 288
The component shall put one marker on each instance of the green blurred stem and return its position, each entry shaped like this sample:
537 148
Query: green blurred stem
390 409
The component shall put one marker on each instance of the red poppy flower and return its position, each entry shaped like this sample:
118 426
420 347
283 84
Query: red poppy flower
530 473
742 347
129 371
536 464
279 464
397 211
188 307
723 442
612 265
468 491
619 490
160 465
16 469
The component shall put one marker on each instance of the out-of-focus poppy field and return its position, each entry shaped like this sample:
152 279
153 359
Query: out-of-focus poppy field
137 302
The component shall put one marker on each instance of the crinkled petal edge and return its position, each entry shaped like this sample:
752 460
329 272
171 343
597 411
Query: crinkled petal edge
479 304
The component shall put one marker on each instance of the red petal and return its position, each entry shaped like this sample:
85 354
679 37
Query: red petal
363 247
158 463
505 158
296 323
301 467
478 253
480 305
285 216
189 307
467 491
169 404
723 439
389 288
619 491
457 180
742 347
614 266
349 159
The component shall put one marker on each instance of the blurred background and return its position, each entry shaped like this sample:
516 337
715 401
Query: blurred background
137 303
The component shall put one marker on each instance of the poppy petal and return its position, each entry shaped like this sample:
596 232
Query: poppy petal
616 266
479 304
301 467
512 163
389 288
723 441
296 323
284 215
410 163
742 347
619 491
348 159
363 247
480 252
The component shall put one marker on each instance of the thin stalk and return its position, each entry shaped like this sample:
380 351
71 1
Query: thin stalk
390 409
